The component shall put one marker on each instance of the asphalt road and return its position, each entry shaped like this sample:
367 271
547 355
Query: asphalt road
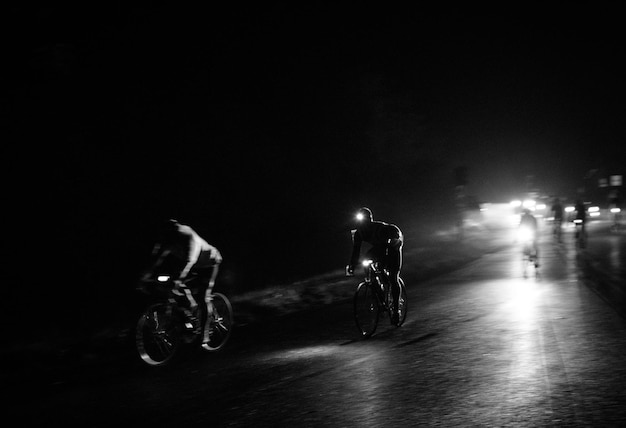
482 346
603 261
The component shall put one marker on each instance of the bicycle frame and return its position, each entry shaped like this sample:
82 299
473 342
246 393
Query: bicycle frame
372 296
373 276
580 233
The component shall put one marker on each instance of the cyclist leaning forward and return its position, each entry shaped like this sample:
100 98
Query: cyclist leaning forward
386 241
184 251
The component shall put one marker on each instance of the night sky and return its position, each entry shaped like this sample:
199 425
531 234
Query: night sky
264 127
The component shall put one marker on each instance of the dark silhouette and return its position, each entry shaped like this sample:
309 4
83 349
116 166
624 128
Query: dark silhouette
386 240
179 252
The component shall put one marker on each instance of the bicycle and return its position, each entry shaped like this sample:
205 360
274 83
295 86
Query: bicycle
529 254
164 328
557 229
581 233
615 226
373 296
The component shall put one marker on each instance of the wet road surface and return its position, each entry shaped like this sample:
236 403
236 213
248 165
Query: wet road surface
482 346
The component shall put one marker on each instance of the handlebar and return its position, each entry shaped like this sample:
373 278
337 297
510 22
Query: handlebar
374 265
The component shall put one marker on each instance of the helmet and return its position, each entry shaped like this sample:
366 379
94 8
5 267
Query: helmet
364 214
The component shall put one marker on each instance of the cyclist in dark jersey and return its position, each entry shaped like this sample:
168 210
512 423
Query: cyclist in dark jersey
185 252
557 209
386 241
581 218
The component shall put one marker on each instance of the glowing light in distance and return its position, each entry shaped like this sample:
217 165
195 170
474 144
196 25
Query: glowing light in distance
366 263
569 209
594 214
541 206
594 209
529 203
163 278
615 210
515 203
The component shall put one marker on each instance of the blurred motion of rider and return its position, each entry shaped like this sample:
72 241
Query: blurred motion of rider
557 210
529 222
581 217
386 241
185 251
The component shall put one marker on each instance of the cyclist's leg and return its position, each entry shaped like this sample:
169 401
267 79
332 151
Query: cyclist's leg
394 264
182 294
207 277
557 228
193 305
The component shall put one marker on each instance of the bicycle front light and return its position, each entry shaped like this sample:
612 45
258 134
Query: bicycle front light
163 278
524 234
366 263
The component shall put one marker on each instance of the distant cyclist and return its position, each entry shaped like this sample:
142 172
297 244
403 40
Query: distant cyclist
580 219
386 241
557 210
529 222
184 251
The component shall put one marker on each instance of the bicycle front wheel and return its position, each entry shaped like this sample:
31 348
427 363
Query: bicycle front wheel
366 309
219 323
158 335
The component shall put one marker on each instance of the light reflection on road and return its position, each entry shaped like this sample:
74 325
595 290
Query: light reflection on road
482 346
615 256
522 299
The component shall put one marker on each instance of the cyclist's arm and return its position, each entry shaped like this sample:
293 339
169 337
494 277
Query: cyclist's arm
160 253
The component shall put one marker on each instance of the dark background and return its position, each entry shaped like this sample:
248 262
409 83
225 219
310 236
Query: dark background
265 127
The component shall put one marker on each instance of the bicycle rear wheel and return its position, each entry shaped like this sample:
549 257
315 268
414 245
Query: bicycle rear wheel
158 335
219 324
366 309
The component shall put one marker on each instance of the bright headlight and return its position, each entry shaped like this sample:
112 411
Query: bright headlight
524 234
